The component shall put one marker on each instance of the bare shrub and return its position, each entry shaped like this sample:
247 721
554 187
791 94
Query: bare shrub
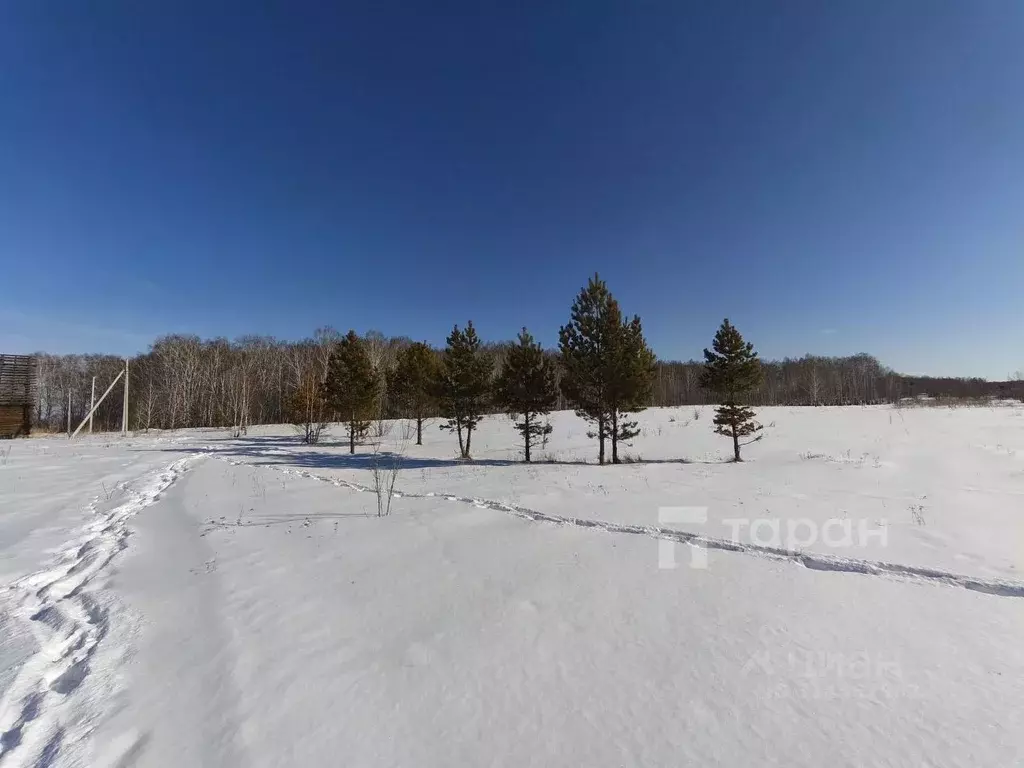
917 513
380 428
408 433
385 475
545 434
385 467
307 410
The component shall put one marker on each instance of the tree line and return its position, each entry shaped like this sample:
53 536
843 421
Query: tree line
184 381
603 368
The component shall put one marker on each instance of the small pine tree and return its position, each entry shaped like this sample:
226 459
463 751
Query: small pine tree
464 386
352 386
526 387
631 382
608 369
731 370
413 383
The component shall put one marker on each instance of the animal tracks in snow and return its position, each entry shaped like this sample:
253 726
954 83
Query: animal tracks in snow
811 561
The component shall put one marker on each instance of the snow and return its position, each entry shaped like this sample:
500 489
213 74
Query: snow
236 602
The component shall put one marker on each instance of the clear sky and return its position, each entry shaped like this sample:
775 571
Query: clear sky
834 177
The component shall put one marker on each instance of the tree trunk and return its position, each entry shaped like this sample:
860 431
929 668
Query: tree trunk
736 443
469 436
600 440
615 437
419 430
458 430
352 435
526 436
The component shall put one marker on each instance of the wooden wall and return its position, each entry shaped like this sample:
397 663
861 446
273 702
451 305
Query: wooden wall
14 420
17 394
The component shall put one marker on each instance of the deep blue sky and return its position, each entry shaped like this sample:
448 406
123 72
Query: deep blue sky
833 176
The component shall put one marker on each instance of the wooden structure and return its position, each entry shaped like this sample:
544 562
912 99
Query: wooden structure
17 394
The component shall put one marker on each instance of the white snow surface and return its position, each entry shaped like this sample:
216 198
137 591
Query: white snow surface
851 595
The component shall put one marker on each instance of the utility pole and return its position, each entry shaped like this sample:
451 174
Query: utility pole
124 415
98 403
92 403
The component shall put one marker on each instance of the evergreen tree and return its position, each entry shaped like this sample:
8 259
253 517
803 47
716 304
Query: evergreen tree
464 385
631 381
352 386
526 387
413 383
732 370
608 369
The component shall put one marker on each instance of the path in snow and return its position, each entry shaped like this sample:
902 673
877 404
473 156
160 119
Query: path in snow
813 561
38 715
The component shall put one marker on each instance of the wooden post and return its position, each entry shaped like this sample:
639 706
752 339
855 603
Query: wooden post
98 402
124 415
92 403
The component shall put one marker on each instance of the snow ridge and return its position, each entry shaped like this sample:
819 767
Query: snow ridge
812 561
69 623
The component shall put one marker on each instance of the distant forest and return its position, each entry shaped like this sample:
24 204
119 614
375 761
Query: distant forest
185 381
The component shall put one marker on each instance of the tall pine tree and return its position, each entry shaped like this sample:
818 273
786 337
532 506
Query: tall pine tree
731 370
608 369
526 388
352 386
631 382
464 385
413 383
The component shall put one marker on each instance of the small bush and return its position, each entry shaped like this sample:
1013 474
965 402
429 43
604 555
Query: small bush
917 513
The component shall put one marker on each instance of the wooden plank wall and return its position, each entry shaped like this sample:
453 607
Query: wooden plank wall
17 394
14 420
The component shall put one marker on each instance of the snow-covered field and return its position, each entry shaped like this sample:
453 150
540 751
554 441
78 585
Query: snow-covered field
851 595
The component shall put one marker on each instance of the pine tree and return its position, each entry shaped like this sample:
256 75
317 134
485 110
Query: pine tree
732 370
352 386
526 387
413 383
464 386
608 367
631 382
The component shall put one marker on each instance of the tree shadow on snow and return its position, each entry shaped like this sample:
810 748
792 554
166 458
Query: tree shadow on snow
272 451
292 452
